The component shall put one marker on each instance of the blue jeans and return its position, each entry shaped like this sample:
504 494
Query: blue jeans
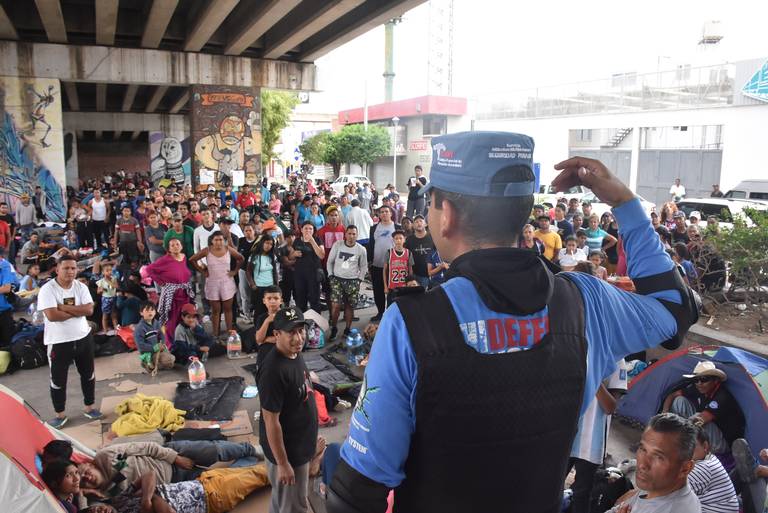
208 452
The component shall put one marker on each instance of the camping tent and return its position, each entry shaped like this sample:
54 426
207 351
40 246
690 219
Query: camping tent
22 435
747 382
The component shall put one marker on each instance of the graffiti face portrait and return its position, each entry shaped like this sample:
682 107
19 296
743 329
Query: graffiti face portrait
170 150
232 129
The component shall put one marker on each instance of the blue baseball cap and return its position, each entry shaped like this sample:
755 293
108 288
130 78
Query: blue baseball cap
467 162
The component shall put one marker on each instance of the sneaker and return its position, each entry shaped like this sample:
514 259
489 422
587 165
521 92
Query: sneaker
346 333
58 422
745 462
93 414
377 317
334 332
111 333
342 405
206 318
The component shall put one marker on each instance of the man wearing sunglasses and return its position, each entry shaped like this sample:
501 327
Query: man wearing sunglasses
706 401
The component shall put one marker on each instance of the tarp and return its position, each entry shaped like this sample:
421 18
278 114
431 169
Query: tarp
747 382
22 435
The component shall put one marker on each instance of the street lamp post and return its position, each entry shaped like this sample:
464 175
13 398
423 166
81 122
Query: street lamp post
395 121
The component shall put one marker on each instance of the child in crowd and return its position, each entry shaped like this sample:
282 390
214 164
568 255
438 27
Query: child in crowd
581 240
190 339
107 289
597 257
129 299
570 255
398 266
29 286
63 479
682 257
149 336
273 300
586 267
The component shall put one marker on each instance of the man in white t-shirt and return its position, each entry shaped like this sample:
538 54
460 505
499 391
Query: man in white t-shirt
66 303
588 450
677 191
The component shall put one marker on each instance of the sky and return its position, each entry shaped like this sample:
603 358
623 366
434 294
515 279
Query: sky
508 45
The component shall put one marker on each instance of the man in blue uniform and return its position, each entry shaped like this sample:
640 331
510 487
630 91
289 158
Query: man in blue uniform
473 391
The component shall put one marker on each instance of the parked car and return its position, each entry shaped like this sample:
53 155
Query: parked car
750 189
548 196
726 209
599 208
340 182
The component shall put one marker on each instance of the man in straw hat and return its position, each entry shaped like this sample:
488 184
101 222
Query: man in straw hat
707 402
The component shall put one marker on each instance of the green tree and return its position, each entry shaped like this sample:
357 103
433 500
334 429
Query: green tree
276 108
355 144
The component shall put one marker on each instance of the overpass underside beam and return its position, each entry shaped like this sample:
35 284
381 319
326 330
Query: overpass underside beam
101 64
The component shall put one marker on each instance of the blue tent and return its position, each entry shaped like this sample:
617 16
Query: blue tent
747 382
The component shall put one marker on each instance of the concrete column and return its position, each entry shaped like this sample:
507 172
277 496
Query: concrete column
159 17
634 162
53 20
210 19
106 21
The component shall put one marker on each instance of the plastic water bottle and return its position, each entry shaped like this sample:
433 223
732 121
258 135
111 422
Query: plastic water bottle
354 345
196 372
234 345
36 315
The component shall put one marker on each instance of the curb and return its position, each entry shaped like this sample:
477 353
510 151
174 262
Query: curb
707 336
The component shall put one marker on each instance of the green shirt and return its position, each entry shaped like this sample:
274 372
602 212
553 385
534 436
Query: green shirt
186 238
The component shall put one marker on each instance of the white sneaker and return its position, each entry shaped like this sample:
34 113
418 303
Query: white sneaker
206 318
342 405
111 333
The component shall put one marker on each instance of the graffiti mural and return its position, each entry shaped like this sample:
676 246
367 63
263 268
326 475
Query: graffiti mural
226 131
31 143
170 160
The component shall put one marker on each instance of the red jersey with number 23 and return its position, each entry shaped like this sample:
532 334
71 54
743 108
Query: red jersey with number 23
398 268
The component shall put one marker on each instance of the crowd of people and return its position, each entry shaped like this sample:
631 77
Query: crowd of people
168 261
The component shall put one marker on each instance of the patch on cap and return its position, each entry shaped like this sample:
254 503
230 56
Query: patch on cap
468 162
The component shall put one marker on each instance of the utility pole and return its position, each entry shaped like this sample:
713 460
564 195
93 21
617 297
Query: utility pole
389 57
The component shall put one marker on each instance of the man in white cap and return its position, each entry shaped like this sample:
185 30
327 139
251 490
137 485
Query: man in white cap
694 218
708 403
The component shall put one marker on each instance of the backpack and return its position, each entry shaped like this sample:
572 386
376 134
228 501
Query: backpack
108 346
28 353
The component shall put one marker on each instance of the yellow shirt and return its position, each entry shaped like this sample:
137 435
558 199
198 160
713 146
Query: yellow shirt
552 242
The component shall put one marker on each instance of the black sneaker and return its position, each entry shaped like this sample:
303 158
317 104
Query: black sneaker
334 332
346 333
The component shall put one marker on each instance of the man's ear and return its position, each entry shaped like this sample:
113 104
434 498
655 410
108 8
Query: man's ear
686 468
449 217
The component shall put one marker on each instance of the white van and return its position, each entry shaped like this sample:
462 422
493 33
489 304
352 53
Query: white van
750 189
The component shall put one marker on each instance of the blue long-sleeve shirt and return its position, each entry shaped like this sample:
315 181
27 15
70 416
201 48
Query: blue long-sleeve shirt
617 323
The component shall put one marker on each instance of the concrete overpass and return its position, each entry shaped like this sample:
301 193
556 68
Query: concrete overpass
167 85
141 56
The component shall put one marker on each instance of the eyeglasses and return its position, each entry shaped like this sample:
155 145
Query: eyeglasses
704 379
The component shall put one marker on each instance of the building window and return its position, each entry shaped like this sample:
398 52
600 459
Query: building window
434 125
585 135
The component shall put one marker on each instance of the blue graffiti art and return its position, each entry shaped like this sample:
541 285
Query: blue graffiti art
23 173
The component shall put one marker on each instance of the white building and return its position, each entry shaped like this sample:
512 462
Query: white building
706 125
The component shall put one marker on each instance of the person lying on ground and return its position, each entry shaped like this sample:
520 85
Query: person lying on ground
664 460
214 491
116 466
63 480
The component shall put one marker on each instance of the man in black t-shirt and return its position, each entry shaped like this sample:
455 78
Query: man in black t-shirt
288 424
680 233
416 201
708 403
421 246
